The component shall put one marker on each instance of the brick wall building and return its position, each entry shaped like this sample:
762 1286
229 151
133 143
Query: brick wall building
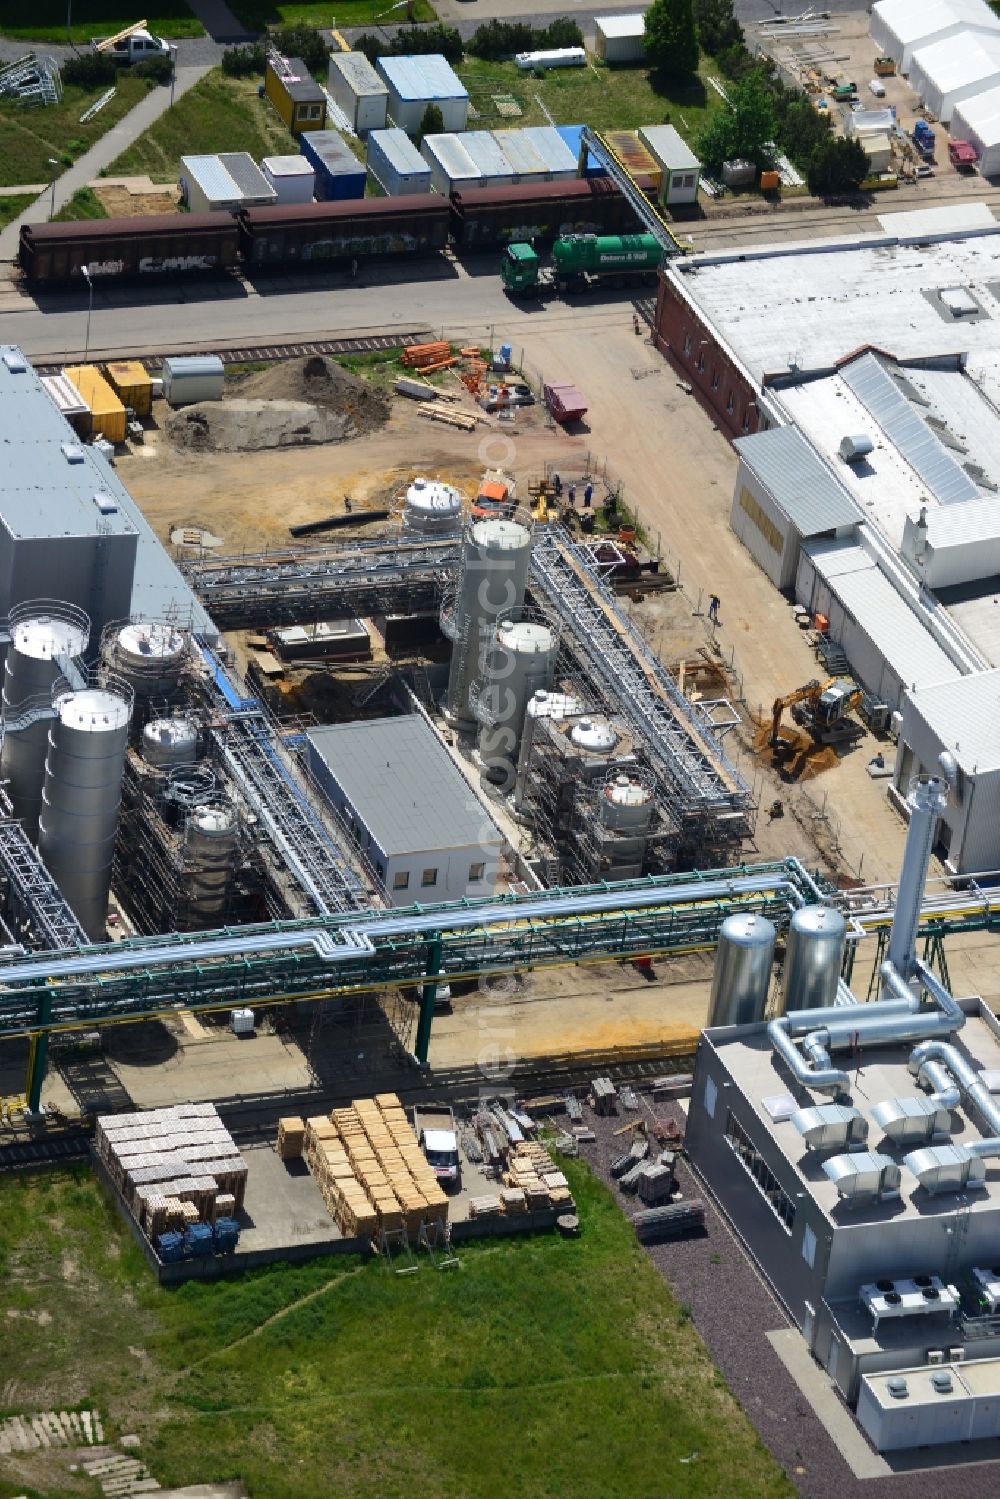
693 350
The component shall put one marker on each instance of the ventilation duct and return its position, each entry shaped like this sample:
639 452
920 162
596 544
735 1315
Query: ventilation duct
831 1125
863 1176
946 1168
909 1121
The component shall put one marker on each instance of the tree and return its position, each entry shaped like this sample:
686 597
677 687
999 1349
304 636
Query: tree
671 38
743 129
838 167
717 25
432 123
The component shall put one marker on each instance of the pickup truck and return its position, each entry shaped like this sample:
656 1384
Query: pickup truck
138 46
435 1131
564 401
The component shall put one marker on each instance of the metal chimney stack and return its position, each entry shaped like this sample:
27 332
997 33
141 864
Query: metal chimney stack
927 799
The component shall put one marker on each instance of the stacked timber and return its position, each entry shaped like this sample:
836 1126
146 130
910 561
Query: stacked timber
170 1165
291 1137
673 1221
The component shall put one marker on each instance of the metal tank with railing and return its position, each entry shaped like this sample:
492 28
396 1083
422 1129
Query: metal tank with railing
518 660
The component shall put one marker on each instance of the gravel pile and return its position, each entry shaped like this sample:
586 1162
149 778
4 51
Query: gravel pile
733 1310
247 426
318 382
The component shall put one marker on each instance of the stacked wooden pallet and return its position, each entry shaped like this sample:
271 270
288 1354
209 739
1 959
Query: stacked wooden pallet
291 1137
428 357
532 1172
170 1163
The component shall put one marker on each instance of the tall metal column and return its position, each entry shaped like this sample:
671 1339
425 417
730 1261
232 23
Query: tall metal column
428 997
38 1053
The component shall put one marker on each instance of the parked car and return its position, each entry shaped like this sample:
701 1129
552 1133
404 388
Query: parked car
877 87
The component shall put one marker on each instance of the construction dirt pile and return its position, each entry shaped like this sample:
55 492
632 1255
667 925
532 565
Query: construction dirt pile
319 382
292 404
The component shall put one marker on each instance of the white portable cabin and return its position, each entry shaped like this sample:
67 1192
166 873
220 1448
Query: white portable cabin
945 73
557 57
415 82
291 177
206 186
195 377
357 89
620 38
452 168
681 168
899 27
488 155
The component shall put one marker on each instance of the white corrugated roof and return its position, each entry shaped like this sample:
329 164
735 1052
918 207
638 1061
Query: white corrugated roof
670 149
487 153
212 177
965 716
957 525
905 643
399 151
908 21
452 157
403 785
956 61
790 469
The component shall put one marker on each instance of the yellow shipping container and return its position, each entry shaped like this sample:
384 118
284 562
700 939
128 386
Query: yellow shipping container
107 411
132 384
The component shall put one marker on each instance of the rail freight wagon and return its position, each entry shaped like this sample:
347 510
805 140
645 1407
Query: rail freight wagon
489 218
119 249
318 233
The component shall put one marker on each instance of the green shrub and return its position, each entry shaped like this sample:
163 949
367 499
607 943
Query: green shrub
241 62
154 70
498 39
89 70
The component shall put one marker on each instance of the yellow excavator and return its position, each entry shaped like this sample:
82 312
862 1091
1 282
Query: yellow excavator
823 709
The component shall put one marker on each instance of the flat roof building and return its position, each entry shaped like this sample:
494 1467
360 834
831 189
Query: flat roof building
424 830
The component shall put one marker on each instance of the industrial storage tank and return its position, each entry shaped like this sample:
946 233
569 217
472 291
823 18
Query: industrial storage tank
557 705
742 974
814 958
169 741
431 509
519 661
149 656
492 579
44 633
88 739
627 804
211 843
595 735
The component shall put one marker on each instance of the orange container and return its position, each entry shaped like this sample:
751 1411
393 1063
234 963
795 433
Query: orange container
770 182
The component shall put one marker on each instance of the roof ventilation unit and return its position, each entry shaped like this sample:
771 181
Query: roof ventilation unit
105 502
987 1280
921 1296
831 1125
72 452
946 1168
854 448
897 1387
911 1121
941 1382
958 301
863 1176
15 361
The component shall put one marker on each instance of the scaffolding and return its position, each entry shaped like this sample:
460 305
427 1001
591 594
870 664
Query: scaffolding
698 786
37 910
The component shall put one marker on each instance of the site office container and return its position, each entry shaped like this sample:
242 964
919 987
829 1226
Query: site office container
358 90
193 377
339 173
634 156
396 165
292 177
106 410
318 233
452 168
115 249
132 385
296 96
489 218
620 38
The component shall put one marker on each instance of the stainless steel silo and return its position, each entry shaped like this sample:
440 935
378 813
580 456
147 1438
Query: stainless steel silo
44 634
210 847
169 741
431 509
518 661
88 739
813 958
492 579
742 975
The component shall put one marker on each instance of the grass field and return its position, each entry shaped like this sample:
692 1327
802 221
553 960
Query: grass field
84 204
45 20
258 15
539 1368
218 114
12 206
606 98
28 137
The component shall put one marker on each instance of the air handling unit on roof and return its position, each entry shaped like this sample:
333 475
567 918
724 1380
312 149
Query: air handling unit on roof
907 1121
853 448
829 1125
863 1176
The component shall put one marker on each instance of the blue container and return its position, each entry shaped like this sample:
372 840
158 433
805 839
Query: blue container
339 173
170 1247
198 1239
571 134
227 1233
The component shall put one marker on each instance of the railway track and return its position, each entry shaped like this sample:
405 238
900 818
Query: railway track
272 353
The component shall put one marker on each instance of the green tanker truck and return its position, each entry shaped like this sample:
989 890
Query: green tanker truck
580 261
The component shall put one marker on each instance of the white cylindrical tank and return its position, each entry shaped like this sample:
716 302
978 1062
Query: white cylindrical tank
595 735
626 804
813 958
210 846
542 705
169 741
431 509
88 739
519 661
149 656
742 974
43 633
492 580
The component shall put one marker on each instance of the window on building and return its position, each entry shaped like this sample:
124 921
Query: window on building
701 360
401 879
755 1166
687 343
809 1247
477 872
711 1095
429 877
730 403
715 379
